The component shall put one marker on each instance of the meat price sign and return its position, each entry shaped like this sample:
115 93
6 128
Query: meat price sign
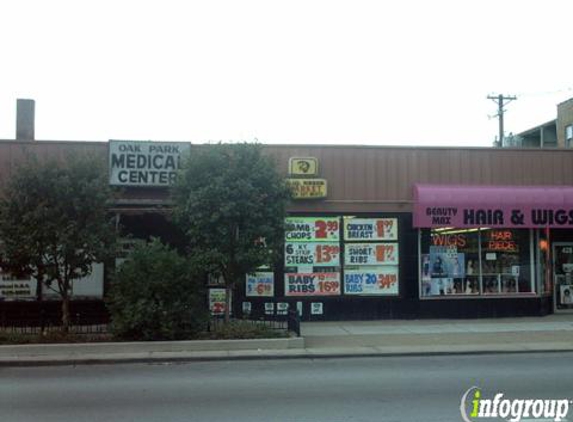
312 254
217 301
371 254
312 284
312 229
260 284
370 229
382 280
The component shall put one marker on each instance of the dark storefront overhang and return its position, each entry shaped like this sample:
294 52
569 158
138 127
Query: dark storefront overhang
493 206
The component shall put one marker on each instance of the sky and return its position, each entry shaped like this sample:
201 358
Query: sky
401 72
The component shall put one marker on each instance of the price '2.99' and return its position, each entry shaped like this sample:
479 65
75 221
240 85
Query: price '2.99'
326 229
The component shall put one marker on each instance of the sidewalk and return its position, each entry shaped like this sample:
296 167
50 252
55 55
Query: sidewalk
503 335
553 333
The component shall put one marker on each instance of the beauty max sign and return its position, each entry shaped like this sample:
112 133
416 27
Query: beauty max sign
509 207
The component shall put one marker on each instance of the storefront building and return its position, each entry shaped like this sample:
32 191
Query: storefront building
376 232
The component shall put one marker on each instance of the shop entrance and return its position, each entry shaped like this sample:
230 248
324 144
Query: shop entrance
563 276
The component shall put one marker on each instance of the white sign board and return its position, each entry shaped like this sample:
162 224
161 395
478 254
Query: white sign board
361 229
309 254
282 308
16 288
371 254
312 229
136 163
218 301
378 281
260 284
90 286
316 308
312 284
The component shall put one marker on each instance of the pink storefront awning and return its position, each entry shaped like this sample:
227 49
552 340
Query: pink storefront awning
493 206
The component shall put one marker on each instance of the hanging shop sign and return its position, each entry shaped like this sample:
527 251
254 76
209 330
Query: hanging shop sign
319 254
260 284
304 182
307 188
370 229
493 206
314 229
303 166
135 163
371 254
312 284
378 280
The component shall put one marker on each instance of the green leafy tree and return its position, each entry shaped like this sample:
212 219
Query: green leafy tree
54 223
231 203
155 295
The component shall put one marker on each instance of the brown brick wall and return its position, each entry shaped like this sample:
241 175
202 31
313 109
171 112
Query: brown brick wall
564 118
367 179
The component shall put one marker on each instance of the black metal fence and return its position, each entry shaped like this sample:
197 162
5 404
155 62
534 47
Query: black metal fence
285 323
92 318
36 328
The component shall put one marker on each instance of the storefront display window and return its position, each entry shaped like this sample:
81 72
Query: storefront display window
450 262
475 262
371 256
563 269
542 262
505 261
331 256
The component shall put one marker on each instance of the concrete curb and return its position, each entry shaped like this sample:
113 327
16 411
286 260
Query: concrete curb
243 355
151 346
117 352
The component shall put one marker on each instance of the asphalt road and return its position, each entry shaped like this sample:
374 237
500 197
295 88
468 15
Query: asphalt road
324 390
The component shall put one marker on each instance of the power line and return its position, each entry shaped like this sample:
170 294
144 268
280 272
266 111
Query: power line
502 101
543 93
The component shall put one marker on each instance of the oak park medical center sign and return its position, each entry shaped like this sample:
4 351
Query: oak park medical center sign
493 206
144 163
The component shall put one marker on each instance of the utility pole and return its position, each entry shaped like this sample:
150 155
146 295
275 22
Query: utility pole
502 101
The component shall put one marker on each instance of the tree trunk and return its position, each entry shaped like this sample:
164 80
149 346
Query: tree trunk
40 299
65 313
228 292
40 287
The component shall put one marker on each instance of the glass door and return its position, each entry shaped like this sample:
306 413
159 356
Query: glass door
563 276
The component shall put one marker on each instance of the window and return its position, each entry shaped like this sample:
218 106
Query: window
569 136
312 256
334 256
476 262
505 261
